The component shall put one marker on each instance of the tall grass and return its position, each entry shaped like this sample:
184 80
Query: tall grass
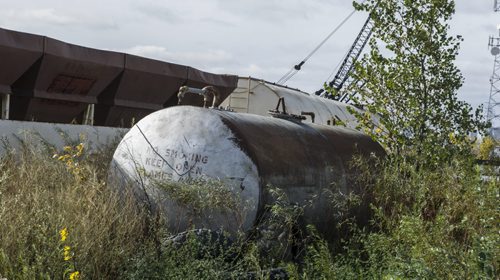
440 223
431 223
39 196
108 233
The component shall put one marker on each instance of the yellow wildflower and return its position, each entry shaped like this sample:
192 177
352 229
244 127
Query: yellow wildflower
74 276
378 130
79 149
453 139
67 253
64 234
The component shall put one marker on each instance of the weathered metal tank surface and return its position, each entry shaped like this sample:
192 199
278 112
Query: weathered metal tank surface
249 154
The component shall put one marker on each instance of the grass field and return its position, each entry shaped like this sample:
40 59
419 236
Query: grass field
60 220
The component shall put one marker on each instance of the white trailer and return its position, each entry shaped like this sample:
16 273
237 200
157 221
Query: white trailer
256 96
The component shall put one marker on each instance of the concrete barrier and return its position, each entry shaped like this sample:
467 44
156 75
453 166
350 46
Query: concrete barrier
14 134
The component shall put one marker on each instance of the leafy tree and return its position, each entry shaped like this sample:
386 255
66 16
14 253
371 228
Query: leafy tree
410 82
486 148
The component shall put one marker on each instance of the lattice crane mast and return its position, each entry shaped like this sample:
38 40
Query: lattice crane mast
348 63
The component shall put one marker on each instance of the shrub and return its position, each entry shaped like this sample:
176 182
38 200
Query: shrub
60 219
431 223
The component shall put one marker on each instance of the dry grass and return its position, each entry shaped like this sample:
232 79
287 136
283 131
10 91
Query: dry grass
109 235
39 196
430 224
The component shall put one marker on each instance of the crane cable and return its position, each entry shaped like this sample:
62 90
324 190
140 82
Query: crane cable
297 67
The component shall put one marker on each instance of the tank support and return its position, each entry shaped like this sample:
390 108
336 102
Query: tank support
5 104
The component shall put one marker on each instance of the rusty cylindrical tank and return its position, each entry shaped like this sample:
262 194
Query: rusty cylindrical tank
248 153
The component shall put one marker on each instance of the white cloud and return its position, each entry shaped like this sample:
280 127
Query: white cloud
253 69
202 58
273 10
156 52
210 56
47 15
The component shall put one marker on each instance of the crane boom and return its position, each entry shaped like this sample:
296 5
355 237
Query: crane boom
351 57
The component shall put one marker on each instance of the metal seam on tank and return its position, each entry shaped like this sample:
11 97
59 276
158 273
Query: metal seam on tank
225 119
234 129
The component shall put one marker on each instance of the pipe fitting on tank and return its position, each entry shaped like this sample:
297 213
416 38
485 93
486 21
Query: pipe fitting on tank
181 93
310 114
215 94
205 92
276 113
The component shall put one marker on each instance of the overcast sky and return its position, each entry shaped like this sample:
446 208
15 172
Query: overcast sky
258 38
